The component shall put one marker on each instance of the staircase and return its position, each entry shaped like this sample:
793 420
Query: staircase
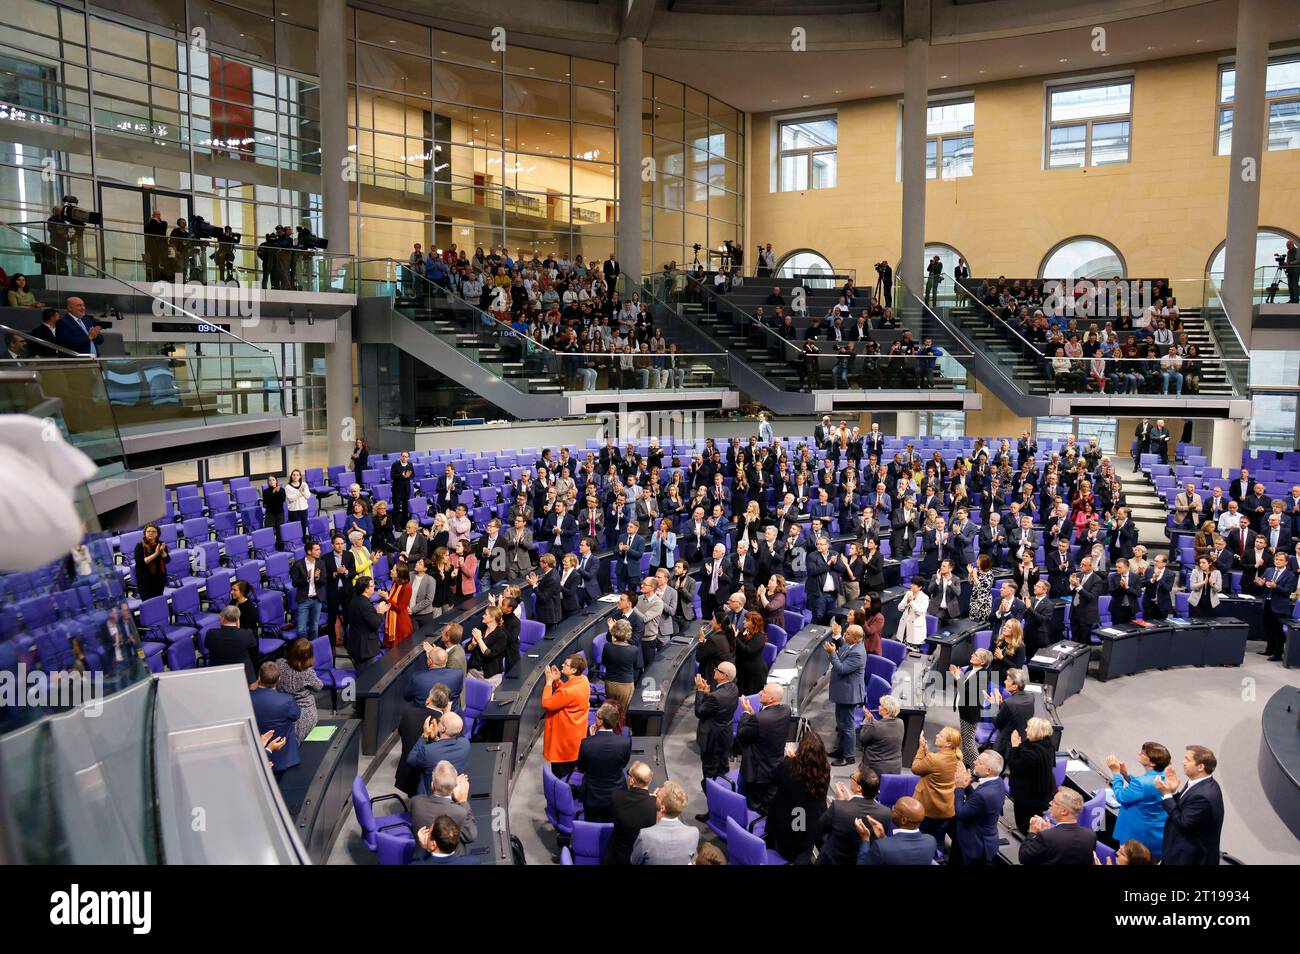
1148 511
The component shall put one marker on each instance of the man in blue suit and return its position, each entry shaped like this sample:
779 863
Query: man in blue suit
979 806
76 332
1279 583
908 845
436 671
627 556
588 572
848 688
276 712
1195 810
441 741
439 844
825 581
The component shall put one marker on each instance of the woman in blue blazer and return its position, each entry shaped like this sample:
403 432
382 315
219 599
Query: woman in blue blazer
664 542
1141 814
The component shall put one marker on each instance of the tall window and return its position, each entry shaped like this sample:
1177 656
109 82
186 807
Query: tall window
1281 93
807 153
1089 125
1082 257
950 139
806 263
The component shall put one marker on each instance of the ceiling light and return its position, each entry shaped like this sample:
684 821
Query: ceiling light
1150 47
1064 59
944 76
982 71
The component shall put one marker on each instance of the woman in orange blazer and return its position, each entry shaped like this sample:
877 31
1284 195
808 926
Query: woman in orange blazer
938 773
565 702
397 625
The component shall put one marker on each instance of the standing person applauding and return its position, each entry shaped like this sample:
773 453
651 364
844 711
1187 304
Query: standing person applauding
565 702
151 555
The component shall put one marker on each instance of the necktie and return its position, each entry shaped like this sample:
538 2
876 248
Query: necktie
1243 544
717 566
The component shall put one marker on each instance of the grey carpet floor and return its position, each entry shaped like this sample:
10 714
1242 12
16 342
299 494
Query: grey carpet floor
1218 707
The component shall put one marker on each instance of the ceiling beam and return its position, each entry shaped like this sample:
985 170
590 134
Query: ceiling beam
637 15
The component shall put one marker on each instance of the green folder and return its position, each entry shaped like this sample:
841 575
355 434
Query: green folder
321 733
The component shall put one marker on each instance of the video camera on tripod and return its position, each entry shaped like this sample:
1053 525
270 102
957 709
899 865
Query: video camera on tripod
78 217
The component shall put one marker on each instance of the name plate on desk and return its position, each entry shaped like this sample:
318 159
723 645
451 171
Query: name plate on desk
652 695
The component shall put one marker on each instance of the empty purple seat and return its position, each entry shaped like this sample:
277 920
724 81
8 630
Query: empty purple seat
725 804
364 807
894 787
589 841
744 848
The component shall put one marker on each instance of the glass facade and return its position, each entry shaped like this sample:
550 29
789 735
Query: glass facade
457 143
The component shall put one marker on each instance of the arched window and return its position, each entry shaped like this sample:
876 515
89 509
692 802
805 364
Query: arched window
807 262
1083 256
947 255
1268 242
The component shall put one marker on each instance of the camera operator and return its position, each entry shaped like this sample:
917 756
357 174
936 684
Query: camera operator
155 247
224 256
282 259
306 244
885 283
1290 261
184 247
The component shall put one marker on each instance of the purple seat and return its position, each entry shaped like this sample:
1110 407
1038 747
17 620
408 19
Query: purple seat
181 655
725 805
894 787
1105 853
982 639
793 621
876 688
393 849
562 809
769 654
156 626
1094 811
776 636
589 841
530 634
323 663
270 621
893 650
882 667
1058 771
364 807
225 523
478 693
746 849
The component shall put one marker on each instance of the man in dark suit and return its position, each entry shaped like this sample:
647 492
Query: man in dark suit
715 710
1014 711
822 433
228 645
1065 843
340 570
602 760
276 712
412 545
1194 810
1026 448
1060 567
410 728
588 572
627 556
744 567
630 809
716 581
44 332
904 525
611 272
1125 589
838 837
308 578
1158 439
978 798
1157 590
493 560
559 528
1278 583
400 476
1088 588
944 591
434 671
770 555
762 736
447 794
439 844
1125 537
906 845
936 545
696 537
1008 607
450 487
825 580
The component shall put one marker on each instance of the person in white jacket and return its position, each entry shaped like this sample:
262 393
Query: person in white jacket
297 495
911 623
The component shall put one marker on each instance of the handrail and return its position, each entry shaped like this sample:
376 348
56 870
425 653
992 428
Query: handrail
175 310
936 316
1004 323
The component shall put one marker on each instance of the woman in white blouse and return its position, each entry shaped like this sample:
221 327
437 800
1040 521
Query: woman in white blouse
297 495
912 610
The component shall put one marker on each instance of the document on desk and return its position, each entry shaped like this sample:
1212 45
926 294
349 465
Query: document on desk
609 598
1043 660
1109 631
1074 765
782 677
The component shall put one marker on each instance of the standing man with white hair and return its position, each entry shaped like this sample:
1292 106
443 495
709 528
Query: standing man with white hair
978 799
715 710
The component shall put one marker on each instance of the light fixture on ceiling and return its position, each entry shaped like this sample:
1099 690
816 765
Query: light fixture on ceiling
943 76
1064 59
805 95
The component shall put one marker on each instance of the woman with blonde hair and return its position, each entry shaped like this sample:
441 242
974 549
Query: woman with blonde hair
1138 562
938 773
360 555
1008 650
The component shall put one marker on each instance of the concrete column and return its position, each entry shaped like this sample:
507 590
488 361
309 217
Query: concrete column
1226 442
336 186
629 158
916 61
906 424
1249 120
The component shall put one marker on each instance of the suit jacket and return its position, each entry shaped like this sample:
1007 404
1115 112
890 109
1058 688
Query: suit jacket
1129 598
518 549
669 841
837 836
362 641
1091 589
72 334
651 611
818 569
1194 824
1013 715
716 712
276 712
419 548
298 576
550 598
745 571
423 680
1066 844
230 646
1157 595
602 760
338 589
903 848
42 332
847 683
425 810
951 605
631 810
589 576
725 580
762 736
978 808
1278 598
410 729
566 527
1039 622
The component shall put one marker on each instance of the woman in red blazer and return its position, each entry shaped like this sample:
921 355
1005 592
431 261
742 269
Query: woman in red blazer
465 565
